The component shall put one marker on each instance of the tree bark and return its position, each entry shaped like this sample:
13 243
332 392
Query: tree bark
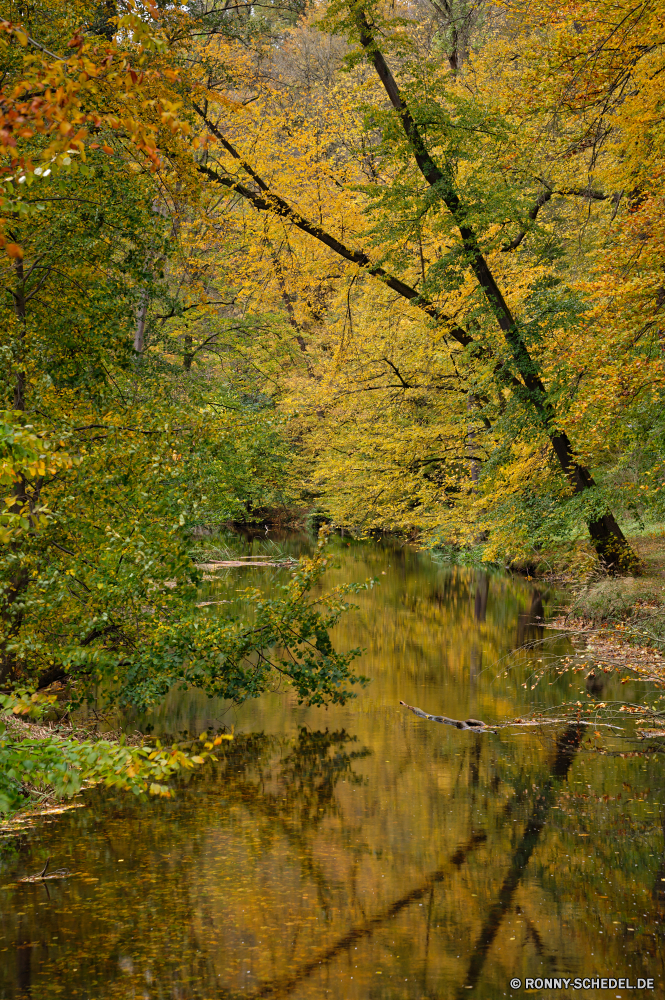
188 355
141 319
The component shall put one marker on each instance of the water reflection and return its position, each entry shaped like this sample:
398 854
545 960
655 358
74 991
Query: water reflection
482 593
359 852
567 745
530 623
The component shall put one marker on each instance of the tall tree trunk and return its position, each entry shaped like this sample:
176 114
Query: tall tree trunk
606 535
474 464
188 355
11 617
290 311
141 319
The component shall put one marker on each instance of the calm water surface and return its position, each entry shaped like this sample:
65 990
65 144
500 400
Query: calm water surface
360 852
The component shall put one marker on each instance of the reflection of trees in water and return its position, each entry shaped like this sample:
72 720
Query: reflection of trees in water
285 984
658 891
287 785
274 792
429 886
530 623
292 781
23 961
595 682
309 774
480 616
481 595
567 746
292 785
165 929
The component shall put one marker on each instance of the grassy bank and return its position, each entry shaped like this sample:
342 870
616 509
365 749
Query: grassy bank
619 622
637 603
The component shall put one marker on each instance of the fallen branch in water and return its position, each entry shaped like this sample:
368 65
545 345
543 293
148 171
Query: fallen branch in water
475 724
41 876
242 561
521 723
484 727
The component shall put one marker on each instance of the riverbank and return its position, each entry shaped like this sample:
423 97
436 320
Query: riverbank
619 622
362 822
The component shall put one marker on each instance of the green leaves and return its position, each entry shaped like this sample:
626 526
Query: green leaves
289 639
129 427
63 767
24 456
226 657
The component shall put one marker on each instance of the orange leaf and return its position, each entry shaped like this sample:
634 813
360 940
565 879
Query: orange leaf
14 250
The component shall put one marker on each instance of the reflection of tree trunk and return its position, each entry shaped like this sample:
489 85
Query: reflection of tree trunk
285 984
430 905
530 623
482 592
566 747
480 614
658 891
311 777
474 764
23 962
475 662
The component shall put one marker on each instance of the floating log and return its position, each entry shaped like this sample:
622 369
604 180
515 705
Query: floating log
42 876
457 723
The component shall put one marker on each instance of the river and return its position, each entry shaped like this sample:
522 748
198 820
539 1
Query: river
361 852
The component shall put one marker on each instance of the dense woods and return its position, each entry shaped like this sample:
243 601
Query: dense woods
396 265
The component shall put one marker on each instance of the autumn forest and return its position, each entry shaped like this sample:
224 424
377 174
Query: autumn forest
332 452
394 269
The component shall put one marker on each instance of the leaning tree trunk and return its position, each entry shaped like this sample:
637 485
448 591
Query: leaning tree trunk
606 535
